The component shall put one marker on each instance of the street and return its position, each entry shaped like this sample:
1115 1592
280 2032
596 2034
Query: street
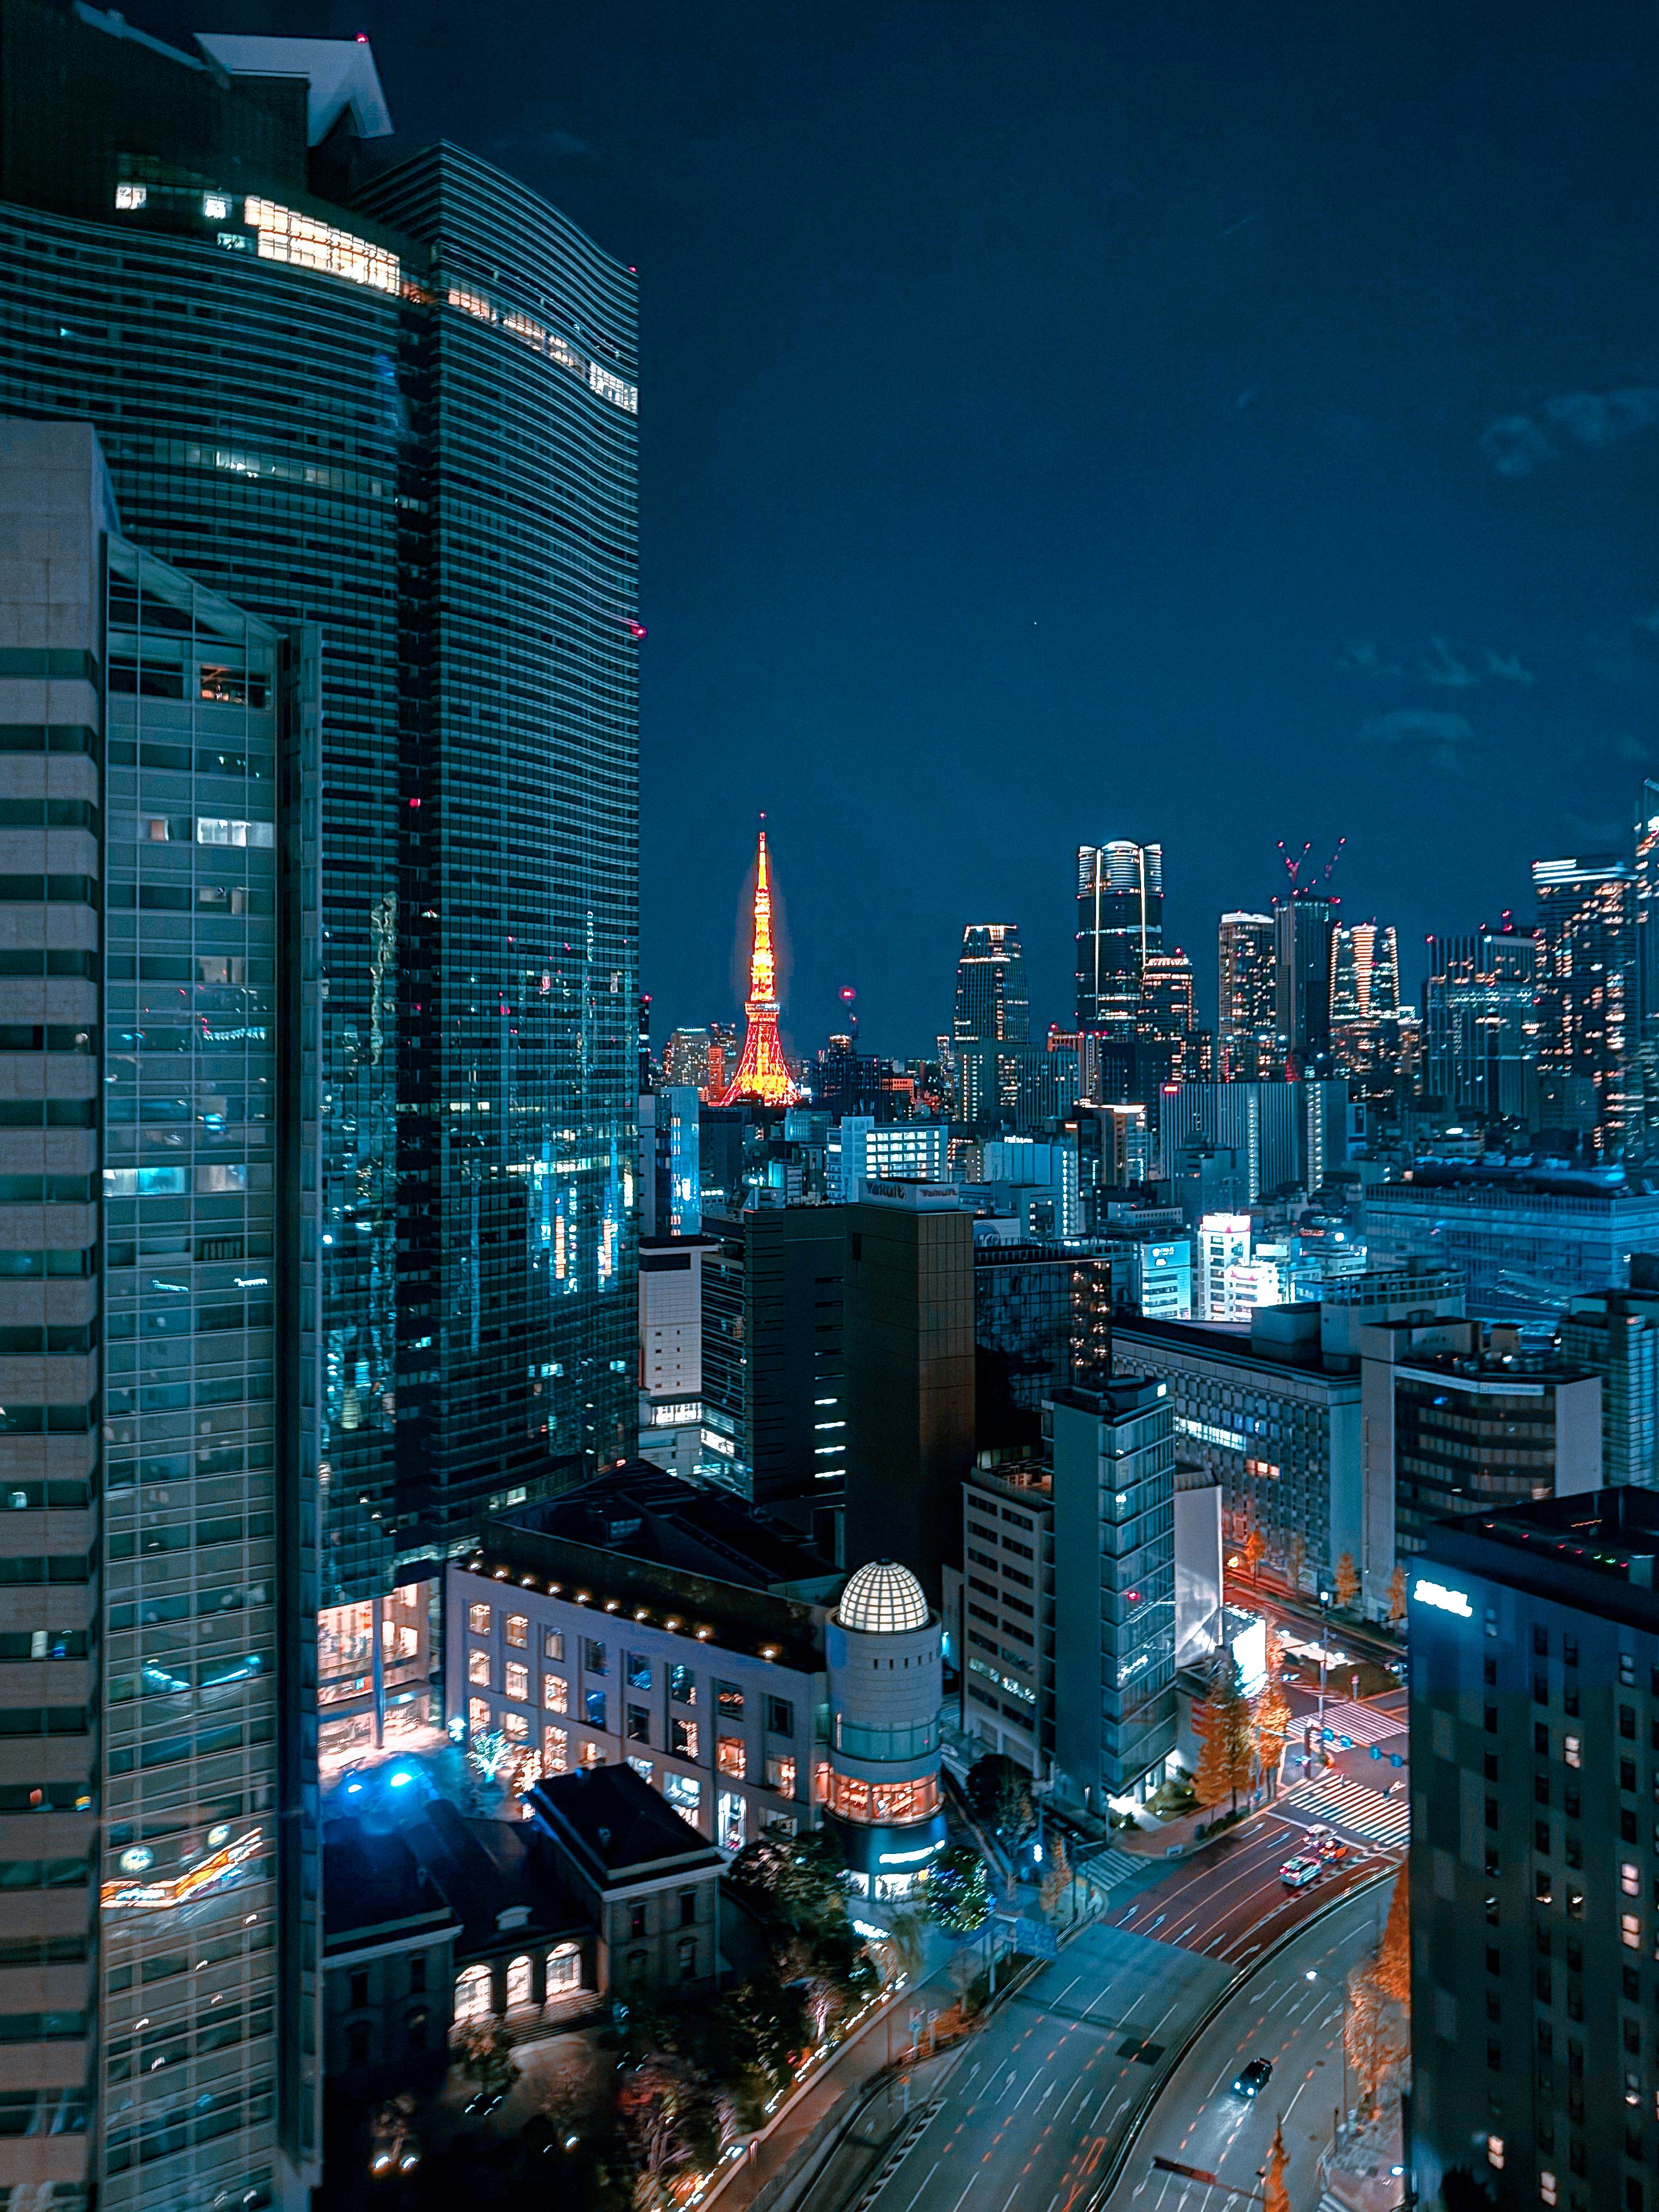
1281 2015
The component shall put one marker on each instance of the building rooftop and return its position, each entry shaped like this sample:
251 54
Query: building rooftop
694 1527
725 1615
496 1882
1598 1550
883 1599
617 1825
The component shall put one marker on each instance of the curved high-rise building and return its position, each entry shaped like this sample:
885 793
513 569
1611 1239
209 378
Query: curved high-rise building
1120 925
403 411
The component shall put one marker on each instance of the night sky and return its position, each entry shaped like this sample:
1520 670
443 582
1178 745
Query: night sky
1201 422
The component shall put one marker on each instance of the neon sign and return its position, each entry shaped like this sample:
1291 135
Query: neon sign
1442 1599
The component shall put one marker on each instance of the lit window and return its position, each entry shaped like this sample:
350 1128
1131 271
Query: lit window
556 1693
477 1717
553 1643
515 1728
780 1776
1630 1879
684 1793
683 1739
517 1680
216 830
1495 2152
284 234
1570 1751
1629 1930
472 1993
733 1820
556 1751
591 1754
477 1619
519 1982
215 206
477 1667
1547 2186
593 1707
564 1969
729 1756
130 196
517 1631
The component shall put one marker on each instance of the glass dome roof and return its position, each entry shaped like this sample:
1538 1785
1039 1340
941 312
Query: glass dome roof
883 1599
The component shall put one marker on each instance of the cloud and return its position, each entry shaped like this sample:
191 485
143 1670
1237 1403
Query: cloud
552 142
1508 665
1442 741
1362 654
1628 748
1444 668
1516 445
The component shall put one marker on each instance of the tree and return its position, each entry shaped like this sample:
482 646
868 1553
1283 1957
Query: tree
1275 2195
1271 1718
984 1781
1056 1874
1365 2037
1347 1580
907 1939
1256 1550
1297 1559
798 1878
1393 1970
655 2103
487 1755
1016 1816
486 2058
1397 1596
959 1895
1224 1758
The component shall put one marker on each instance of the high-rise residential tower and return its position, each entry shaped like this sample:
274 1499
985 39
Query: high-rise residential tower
1248 1031
1588 1000
1120 925
407 411
1480 1023
159 1321
992 1004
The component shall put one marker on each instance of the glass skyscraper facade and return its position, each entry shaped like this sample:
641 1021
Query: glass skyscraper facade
160 1301
1120 925
406 412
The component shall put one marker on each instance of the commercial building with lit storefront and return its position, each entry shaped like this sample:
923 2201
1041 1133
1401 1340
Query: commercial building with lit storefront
1534 1723
883 1803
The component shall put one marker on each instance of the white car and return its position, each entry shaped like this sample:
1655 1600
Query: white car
1297 1873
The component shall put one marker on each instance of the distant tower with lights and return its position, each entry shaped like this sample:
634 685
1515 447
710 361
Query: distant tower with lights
762 1078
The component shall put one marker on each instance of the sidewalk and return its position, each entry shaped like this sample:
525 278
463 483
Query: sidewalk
810 2115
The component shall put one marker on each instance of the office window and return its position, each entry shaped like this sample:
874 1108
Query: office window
683 1686
1629 1930
591 1754
780 1716
642 1768
684 1793
733 1830
594 1708
477 1668
639 1671
639 1724
516 1629
1571 1751
781 1775
556 1693
564 1969
515 1728
553 1643
556 1751
729 1699
517 1681
1629 1878
593 1656
477 1619
729 1756
477 1717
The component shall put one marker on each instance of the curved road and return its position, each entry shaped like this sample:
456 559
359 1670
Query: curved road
1290 2012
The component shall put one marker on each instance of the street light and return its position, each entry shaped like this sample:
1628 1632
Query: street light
1324 1604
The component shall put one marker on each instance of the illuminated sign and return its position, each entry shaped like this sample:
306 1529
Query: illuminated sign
910 1858
1442 1599
220 1866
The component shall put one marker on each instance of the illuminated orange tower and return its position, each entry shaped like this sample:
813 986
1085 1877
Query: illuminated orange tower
762 1078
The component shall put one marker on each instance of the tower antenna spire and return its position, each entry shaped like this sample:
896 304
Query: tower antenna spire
762 1077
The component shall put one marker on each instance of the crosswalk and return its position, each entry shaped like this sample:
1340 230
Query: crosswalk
1107 1869
1384 1821
1361 1724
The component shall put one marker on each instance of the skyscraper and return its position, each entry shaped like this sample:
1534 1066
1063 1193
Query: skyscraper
991 1005
1480 1023
1305 929
159 1100
1120 925
1588 999
415 424
762 1078
1248 1029
1169 1047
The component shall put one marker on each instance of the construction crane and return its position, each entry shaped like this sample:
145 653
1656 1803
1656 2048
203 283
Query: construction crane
1293 867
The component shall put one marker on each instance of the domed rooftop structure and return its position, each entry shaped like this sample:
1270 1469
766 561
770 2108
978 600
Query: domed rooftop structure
883 1599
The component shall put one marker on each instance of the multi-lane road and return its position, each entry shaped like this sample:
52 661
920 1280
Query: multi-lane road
1289 2012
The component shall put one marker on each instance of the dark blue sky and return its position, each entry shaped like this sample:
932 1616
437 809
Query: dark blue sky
1202 422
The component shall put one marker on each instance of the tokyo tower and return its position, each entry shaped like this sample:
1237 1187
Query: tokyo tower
762 1078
